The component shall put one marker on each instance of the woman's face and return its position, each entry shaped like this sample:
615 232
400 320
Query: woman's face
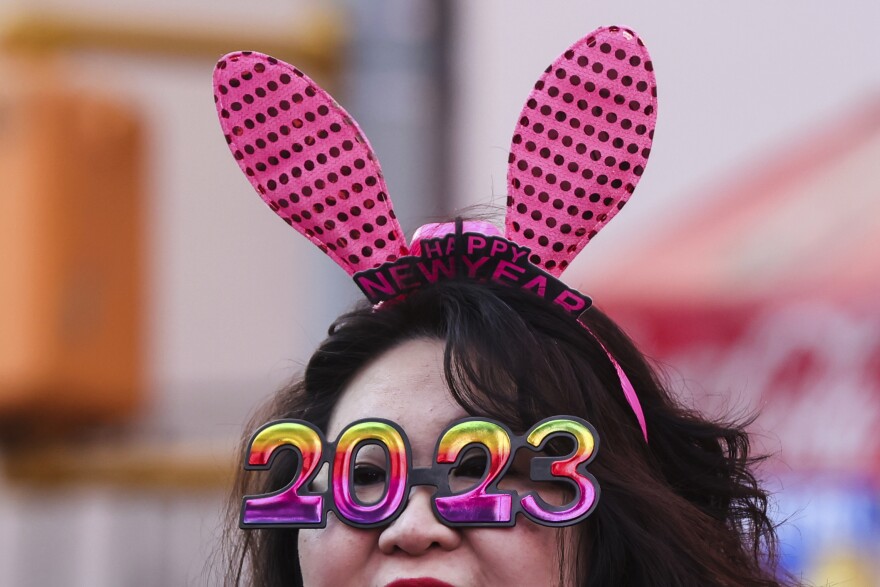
406 385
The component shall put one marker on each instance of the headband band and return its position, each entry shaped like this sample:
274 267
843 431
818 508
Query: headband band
465 250
579 148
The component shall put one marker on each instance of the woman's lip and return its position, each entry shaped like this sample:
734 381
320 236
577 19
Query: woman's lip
419 582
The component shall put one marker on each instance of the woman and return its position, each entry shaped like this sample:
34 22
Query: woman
466 321
681 510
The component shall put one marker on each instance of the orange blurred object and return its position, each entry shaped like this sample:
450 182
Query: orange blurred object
70 254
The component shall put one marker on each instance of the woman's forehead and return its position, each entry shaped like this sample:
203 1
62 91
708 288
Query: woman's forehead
405 384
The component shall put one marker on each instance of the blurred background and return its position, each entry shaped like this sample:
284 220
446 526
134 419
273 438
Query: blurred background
148 298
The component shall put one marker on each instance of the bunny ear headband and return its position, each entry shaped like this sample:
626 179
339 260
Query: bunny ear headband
580 145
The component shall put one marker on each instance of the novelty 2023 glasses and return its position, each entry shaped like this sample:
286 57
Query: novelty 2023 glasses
371 474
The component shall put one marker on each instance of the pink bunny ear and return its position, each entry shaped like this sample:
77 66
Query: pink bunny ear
580 146
307 159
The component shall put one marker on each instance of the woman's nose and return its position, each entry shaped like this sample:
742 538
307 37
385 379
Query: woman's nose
416 531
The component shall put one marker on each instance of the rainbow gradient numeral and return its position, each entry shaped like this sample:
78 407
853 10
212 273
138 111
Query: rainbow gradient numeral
286 506
584 450
484 504
391 438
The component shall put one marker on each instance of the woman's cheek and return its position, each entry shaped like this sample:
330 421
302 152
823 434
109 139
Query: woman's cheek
525 554
334 556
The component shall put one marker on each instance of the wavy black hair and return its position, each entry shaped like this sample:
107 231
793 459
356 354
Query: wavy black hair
683 509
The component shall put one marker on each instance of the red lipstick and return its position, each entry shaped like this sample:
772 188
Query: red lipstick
420 582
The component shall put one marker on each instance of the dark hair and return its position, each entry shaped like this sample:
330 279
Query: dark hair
683 509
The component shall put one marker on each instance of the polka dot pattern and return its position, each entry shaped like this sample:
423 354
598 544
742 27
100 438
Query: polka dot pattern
580 146
307 159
